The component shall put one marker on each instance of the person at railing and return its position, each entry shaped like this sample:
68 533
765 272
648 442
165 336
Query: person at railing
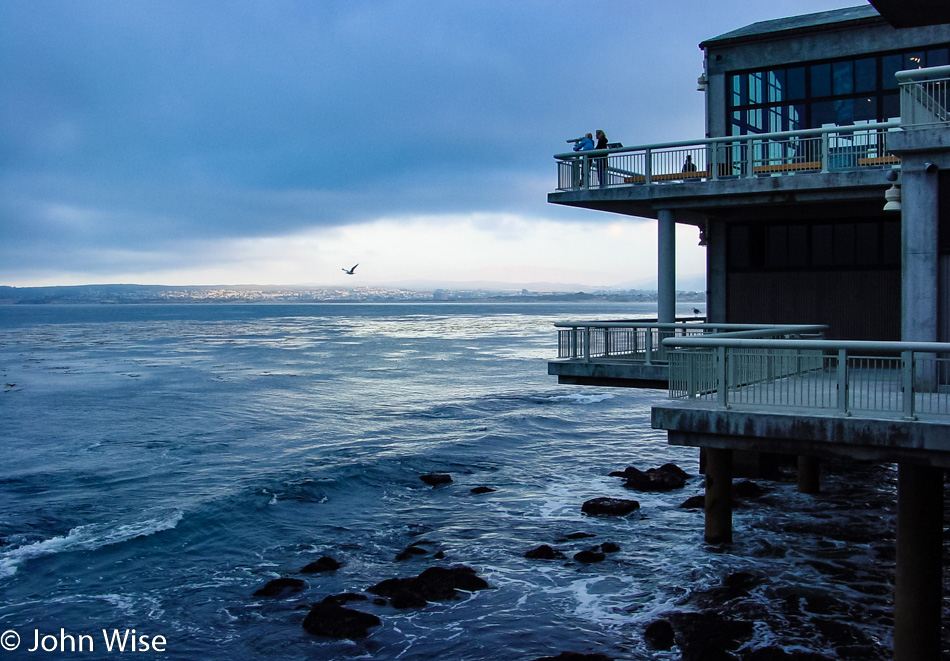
688 165
601 163
584 144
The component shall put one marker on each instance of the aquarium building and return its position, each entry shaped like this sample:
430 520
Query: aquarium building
821 191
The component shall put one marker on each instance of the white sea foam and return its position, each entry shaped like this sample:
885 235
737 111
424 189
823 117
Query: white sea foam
580 398
87 538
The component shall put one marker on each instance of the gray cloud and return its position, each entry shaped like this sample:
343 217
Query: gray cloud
130 126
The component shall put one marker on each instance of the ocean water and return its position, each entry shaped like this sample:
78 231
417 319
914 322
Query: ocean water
162 463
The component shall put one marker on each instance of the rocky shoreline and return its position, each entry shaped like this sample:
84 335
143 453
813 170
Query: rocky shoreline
716 624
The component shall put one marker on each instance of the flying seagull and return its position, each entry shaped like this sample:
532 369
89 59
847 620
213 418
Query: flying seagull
350 270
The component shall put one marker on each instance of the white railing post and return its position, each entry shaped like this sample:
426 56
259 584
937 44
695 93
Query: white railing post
825 145
907 387
722 385
843 381
750 158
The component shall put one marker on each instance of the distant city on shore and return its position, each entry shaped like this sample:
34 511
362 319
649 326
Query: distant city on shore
117 293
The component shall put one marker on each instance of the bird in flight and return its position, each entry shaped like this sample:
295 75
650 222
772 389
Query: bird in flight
349 271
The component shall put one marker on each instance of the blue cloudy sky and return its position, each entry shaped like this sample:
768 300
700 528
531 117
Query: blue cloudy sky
273 142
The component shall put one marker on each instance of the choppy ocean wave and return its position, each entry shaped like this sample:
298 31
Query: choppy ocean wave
162 464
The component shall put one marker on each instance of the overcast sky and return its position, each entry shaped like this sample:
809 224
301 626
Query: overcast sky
276 141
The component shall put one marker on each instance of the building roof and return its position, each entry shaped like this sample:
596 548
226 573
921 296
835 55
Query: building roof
794 23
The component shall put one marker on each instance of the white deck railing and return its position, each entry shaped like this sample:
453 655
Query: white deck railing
925 97
639 341
886 379
759 155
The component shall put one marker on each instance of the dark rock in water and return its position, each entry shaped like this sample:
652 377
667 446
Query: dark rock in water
609 547
345 598
610 506
438 555
478 490
411 550
575 656
778 654
665 478
589 557
580 535
695 503
544 552
747 489
434 584
330 619
326 563
434 479
708 636
281 587
659 635
733 586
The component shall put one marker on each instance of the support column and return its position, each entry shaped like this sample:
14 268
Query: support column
919 244
666 266
918 584
809 471
718 496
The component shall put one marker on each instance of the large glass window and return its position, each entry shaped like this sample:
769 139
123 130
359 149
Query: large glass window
820 94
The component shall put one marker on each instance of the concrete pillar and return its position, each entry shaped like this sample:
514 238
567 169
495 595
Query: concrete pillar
666 266
919 264
718 496
716 272
809 471
918 584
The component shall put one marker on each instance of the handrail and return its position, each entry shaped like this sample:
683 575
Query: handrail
845 376
828 345
637 341
923 74
731 138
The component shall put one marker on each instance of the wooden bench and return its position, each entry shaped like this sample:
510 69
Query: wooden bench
673 176
880 160
787 167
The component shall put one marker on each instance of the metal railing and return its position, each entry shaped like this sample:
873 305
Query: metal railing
757 155
925 97
886 379
640 341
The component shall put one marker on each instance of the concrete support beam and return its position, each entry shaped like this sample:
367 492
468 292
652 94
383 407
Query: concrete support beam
718 496
809 473
918 584
666 266
919 223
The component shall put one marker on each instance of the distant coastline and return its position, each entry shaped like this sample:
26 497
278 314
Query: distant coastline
155 294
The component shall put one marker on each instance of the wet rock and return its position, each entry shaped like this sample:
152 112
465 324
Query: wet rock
575 656
435 479
589 557
479 490
778 654
709 636
281 587
580 535
330 619
610 547
326 563
733 586
411 550
695 503
434 584
439 555
544 552
747 489
610 506
659 635
665 478
840 633
345 598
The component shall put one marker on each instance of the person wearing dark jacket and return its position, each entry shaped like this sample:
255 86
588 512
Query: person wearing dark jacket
601 163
